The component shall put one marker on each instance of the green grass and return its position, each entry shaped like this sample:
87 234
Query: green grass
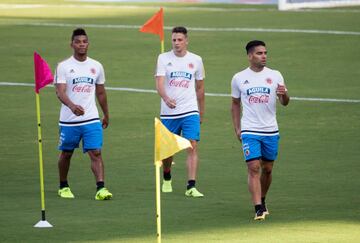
314 195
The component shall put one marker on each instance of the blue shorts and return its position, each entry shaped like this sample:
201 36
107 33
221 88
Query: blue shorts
188 126
260 147
90 134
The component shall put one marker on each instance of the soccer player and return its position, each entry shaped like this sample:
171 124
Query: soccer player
78 80
180 84
254 91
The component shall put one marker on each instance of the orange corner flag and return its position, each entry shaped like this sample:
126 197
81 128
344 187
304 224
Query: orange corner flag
155 25
167 143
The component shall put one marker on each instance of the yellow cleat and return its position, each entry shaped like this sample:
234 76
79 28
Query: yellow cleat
193 192
166 186
103 194
65 193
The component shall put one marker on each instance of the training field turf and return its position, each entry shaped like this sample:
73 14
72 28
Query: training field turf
315 192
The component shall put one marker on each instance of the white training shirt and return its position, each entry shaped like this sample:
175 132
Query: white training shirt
257 92
180 74
80 79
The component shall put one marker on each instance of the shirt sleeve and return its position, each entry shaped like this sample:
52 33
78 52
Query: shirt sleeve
60 74
160 67
280 79
101 76
235 90
200 73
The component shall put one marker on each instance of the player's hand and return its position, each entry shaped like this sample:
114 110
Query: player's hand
105 122
77 110
281 90
238 135
171 103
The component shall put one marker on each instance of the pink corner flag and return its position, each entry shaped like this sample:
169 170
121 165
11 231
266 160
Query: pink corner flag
43 75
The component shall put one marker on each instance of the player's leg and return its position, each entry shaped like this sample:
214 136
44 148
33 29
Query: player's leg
64 166
92 144
254 186
266 178
252 153
191 130
166 186
192 161
173 125
269 154
68 140
97 166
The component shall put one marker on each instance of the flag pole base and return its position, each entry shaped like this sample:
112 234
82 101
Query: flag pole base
43 224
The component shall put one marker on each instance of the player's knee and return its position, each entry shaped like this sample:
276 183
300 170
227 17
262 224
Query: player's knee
66 155
95 154
266 170
254 170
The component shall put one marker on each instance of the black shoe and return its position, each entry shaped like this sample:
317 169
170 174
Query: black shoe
259 215
265 210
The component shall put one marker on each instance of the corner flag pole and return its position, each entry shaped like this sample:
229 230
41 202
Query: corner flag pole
155 25
157 180
166 145
157 185
43 77
42 223
162 49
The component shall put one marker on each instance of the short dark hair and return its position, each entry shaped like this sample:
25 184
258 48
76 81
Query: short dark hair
252 44
179 29
78 31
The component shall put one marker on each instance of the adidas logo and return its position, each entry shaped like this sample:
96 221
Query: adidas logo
169 64
246 82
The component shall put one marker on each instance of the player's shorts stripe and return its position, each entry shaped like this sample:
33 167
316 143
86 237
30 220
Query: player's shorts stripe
262 133
179 115
62 123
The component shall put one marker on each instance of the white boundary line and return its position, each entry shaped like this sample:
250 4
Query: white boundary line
116 26
207 94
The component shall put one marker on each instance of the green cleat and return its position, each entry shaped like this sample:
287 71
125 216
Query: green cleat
193 192
103 194
65 192
166 186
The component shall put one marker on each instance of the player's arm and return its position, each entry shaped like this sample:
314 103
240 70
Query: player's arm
235 112
160 80
200 94
102 99
282 94
61 94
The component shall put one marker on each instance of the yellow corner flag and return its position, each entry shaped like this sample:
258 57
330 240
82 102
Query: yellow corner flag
166 145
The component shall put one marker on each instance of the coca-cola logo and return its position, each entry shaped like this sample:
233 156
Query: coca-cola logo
259 100
179 83
82 88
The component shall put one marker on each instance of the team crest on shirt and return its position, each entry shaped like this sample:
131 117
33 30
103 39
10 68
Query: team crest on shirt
72 71
191 66
93 71
269 81
169 64
246 82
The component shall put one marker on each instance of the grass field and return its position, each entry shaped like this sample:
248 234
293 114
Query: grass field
315 192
